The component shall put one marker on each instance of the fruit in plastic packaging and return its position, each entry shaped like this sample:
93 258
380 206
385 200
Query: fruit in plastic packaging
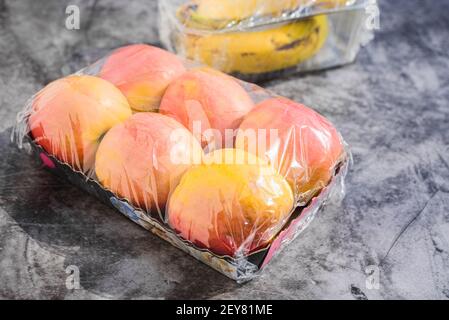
259 51
143 158
142 73
232 204
69 117
302 145
207 102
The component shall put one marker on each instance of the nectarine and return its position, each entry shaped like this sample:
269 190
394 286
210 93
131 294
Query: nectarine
143 158
210 101
232 204
70 115
142 73
301 144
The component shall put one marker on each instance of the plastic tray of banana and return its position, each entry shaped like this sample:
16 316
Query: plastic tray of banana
258 40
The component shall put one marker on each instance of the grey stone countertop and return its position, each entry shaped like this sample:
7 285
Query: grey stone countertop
391 105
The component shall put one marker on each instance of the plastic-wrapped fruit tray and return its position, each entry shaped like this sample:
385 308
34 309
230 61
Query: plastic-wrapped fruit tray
221 168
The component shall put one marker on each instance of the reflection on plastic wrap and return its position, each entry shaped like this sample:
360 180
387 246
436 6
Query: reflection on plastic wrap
237 15
220 168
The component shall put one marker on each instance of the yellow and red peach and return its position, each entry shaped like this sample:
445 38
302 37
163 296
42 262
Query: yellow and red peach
232 204
70 115
143 158
210 101
142 73
301 144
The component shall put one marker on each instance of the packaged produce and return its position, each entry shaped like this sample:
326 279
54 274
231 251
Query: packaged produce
220 168
258 40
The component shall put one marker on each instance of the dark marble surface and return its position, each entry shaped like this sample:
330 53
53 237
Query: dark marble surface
392 107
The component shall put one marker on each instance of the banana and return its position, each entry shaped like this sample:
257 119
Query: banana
257 52
219 14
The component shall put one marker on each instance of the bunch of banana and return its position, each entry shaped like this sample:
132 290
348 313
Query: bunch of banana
219 14
257 54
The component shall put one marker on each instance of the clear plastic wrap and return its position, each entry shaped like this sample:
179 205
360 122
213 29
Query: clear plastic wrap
220 168
257 40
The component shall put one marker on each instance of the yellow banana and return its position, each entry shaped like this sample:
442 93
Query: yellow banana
260 51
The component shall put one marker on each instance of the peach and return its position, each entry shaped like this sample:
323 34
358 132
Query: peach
232 204
142 73
69 117
143 158
210 101
301 144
